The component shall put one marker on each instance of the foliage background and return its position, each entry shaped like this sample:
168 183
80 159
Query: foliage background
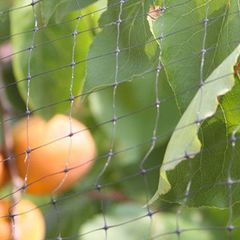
186 34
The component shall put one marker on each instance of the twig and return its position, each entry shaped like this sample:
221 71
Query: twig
111 196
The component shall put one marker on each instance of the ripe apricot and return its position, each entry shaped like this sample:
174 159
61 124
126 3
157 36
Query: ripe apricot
52 150
29 221
5 226
1 170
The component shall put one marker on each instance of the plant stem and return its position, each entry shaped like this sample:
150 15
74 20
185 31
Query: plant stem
111 196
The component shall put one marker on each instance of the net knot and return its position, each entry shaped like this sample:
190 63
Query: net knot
230 228
98 187
143 172
28 150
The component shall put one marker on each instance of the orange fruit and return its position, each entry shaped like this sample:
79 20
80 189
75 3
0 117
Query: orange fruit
1 170
29 221
53 150
5 226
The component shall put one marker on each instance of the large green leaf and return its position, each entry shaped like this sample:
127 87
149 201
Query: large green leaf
184 142
48 55
198 33
209 171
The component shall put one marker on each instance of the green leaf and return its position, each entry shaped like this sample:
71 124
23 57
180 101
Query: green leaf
4 20
48 55
133 60
61 7
184 142
182 31
230 104
97 8
209 171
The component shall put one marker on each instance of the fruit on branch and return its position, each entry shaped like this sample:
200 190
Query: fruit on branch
61 152
28 220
